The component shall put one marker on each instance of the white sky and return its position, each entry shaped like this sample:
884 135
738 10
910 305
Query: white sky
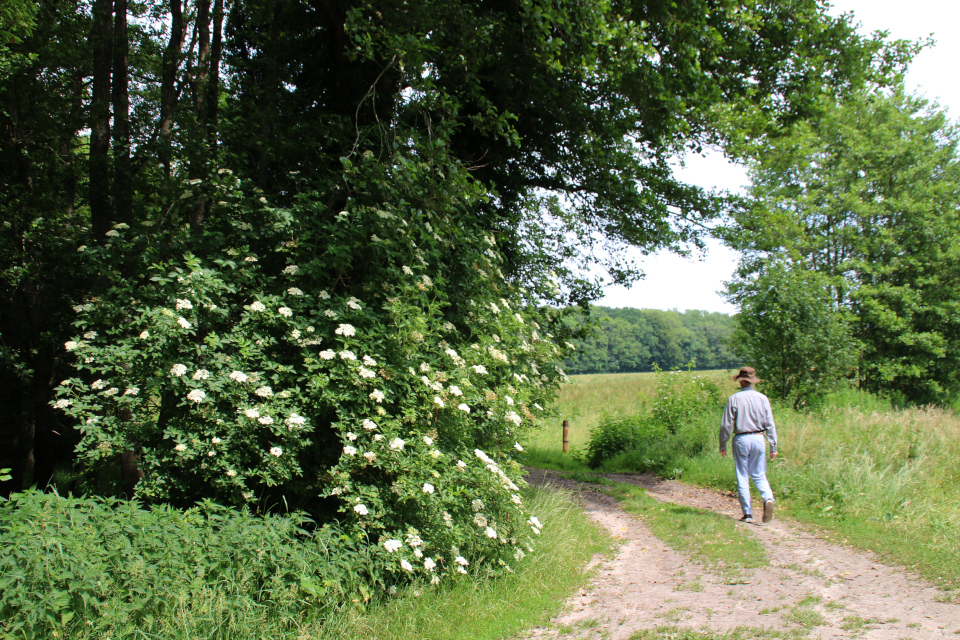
679 283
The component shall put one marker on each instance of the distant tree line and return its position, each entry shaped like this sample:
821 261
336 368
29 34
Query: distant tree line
630 340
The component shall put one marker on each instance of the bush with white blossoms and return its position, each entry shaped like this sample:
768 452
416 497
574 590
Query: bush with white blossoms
296 365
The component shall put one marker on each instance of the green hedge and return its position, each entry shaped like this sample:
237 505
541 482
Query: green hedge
75 567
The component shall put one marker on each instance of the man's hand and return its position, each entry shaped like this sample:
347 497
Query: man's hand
773 456
723 452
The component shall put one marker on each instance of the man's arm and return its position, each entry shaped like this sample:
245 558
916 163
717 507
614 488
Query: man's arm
727 422
771 430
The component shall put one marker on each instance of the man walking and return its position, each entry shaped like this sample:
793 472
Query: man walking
748 417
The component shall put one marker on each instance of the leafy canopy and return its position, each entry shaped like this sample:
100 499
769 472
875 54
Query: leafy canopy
866 197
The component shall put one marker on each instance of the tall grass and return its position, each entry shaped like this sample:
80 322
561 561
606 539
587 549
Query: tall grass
591 399
880 478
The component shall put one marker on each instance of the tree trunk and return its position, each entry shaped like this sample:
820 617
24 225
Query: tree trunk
213 84
101 41
168 86
199 79
122 184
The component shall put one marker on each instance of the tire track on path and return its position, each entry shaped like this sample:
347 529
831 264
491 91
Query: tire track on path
812 588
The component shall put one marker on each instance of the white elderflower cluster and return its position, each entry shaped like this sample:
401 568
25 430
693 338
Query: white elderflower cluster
346 330
496 354
377 395
276 452
328 354
367 373
535 524
392 545
295 420
178 370
286 312
479 368
354 304
455 357
258 306
238 376
361 509
294 291
396 444
264 392
200 374
197 395
180 447
291 270
513 417
183 304
349 450
183 322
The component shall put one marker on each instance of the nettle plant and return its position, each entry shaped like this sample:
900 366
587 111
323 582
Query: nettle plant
370 362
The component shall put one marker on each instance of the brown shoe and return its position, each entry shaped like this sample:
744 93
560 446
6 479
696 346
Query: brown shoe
768 511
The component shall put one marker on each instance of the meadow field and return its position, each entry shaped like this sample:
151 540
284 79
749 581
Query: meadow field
591 399
867 474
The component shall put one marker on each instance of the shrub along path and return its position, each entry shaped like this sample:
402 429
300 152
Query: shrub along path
811 588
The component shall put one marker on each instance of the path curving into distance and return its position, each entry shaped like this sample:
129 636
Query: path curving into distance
811 589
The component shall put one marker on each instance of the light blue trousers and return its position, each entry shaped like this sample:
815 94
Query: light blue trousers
750 461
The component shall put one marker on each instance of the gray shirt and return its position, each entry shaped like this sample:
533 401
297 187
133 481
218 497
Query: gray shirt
748 411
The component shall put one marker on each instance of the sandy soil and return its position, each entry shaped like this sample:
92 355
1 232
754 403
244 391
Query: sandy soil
812 588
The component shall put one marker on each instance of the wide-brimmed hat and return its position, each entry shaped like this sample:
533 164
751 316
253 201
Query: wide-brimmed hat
747 373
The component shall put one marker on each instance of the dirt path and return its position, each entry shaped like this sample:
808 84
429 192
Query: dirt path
812 588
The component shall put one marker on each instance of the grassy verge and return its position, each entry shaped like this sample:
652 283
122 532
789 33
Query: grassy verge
481 609
715 541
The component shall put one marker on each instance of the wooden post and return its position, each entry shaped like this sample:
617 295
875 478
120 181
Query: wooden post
566 436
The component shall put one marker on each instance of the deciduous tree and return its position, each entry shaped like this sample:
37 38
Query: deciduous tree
868 197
